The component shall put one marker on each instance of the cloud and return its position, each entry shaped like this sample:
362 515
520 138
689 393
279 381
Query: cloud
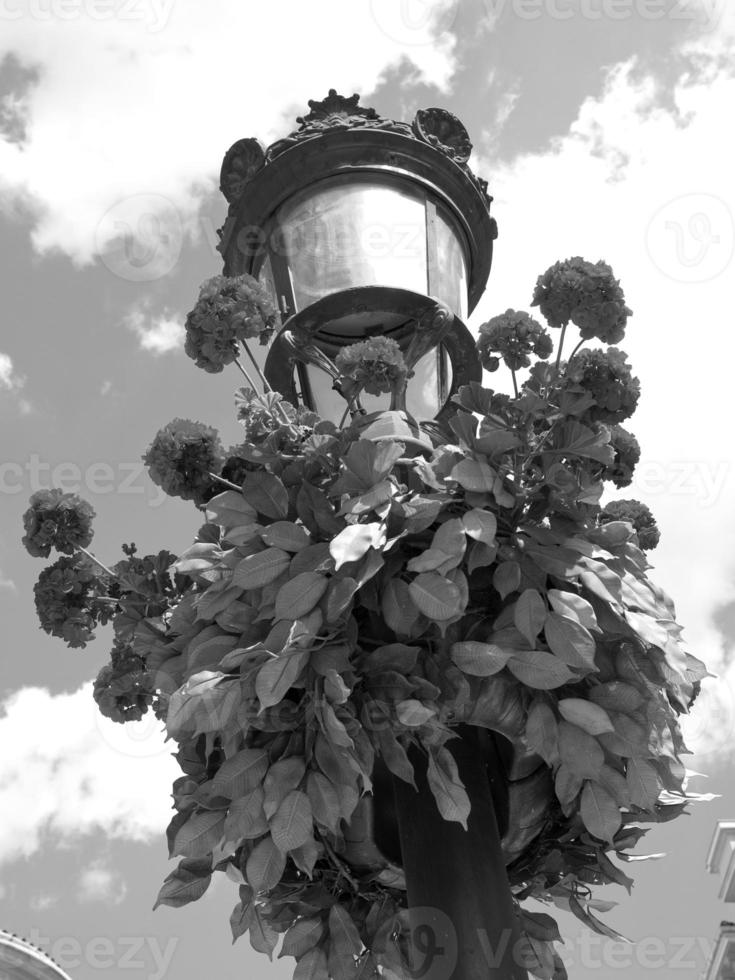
66 773
7 583
179 88
159 333
10 380
643 180
43 901
100 883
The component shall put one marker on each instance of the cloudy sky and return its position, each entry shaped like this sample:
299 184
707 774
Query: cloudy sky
603 127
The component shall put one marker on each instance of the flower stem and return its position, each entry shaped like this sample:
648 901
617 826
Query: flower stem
96 561
246 375
265 382
574 352
561 344
227 483
515 383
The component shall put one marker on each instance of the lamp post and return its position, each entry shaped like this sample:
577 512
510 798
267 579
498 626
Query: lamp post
360 226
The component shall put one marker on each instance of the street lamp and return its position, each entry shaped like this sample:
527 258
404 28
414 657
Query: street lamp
360 226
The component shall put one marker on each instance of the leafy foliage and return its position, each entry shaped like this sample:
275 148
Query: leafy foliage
343 606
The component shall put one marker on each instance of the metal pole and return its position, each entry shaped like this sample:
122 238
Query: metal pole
461 874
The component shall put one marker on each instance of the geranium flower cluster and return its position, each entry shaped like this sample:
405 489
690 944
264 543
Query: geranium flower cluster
375 365
230 310
69 602
124 690
637 514
607 377
57 520
627 456
585 293
182 457
514 336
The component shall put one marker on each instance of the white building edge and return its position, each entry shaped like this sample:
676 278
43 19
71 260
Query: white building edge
721 860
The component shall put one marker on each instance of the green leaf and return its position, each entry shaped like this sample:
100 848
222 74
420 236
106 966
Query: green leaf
266 494
617 696
570 641
541 926
246 818
186 884
393 656
257 570
643 782
414 714
529 614
312 966
580 751
201 833
230 509
480 555
435 596
283 777
474 475
263 937
399 610
265 866
542 732
324 801
345 943
479 659
243 913
567 785
396 757
277 675
593 922
356 540
590 717
367 463
574 607
599 811
241 774
291 827
507 578
538 669
298 597
303 935
286 535
576 439
447 787
480 525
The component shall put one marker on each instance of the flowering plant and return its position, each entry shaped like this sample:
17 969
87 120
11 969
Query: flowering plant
57 520
586 294
345 608
230 311
515 336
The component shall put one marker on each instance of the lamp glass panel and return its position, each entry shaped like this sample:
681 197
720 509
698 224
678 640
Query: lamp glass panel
339 234
451 286
422 397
